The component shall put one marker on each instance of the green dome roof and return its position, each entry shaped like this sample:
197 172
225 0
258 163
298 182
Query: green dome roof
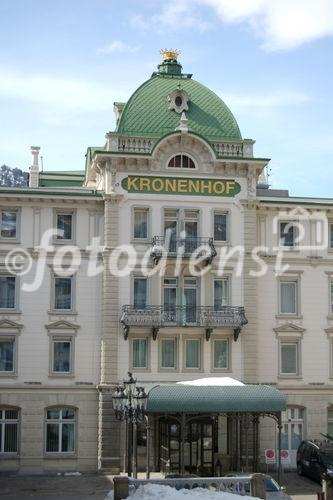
147 112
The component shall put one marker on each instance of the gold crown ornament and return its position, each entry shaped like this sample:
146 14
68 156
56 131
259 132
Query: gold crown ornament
169 54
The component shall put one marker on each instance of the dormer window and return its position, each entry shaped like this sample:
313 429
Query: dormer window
181 161
178 101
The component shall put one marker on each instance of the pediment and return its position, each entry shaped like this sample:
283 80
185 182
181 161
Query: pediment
289 328
62 325
6 324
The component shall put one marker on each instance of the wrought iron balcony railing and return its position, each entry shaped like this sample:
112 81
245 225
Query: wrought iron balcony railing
208 317
182 246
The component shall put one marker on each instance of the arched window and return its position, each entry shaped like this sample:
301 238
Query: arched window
60 430
181 161
9 420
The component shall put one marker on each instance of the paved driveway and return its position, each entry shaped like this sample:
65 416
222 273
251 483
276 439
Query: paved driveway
84 487
300 487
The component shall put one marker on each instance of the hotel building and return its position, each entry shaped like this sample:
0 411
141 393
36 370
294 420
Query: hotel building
174 178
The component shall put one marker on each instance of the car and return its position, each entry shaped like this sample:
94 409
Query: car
315 459
273 490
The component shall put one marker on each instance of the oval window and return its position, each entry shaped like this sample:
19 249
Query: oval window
178 101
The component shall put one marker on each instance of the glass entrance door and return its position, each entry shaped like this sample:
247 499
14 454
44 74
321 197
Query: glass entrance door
169 445
199 448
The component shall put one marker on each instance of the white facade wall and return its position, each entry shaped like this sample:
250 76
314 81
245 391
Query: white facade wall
205 206
311 390
34 387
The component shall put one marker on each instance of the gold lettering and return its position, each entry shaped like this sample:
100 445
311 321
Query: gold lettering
230 186
182 185
213 187
131 183
171 185
206 185
144 183
154 184
219 187
194 186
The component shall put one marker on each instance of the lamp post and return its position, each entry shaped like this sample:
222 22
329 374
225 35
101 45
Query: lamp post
130 404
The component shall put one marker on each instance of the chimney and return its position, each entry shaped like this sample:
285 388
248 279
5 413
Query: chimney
34 169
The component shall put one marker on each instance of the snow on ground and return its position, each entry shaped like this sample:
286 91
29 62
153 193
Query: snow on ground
220 381
158 492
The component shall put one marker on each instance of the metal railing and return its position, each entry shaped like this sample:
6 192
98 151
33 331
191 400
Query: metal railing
250 486
182 246
207 317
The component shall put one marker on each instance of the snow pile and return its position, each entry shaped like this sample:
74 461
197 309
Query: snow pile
158 492
219 381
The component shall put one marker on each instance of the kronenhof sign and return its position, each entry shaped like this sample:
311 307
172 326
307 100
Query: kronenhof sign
180 185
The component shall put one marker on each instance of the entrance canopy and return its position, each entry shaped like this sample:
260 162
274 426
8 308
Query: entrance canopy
180 398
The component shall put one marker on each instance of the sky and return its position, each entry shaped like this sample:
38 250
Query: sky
64 63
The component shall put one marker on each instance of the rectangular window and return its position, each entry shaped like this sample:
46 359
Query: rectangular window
64 226
331 296
7 350
140 353
220 226
63 293
168 353
221 354
140 223
60 430
288 297
7 292
193 354
289 358
288 233
8 224
330 236
221 293
8 430
140 293
61 355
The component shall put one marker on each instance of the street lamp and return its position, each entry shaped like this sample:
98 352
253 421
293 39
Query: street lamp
130 404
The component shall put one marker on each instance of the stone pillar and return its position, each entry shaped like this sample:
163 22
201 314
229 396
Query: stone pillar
249 336
109 439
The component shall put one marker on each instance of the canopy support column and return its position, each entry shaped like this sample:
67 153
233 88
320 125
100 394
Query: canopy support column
238 441
148 447
246 426
257 443
279 448
182 443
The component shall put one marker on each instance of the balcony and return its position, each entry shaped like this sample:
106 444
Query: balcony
156 317
185 247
